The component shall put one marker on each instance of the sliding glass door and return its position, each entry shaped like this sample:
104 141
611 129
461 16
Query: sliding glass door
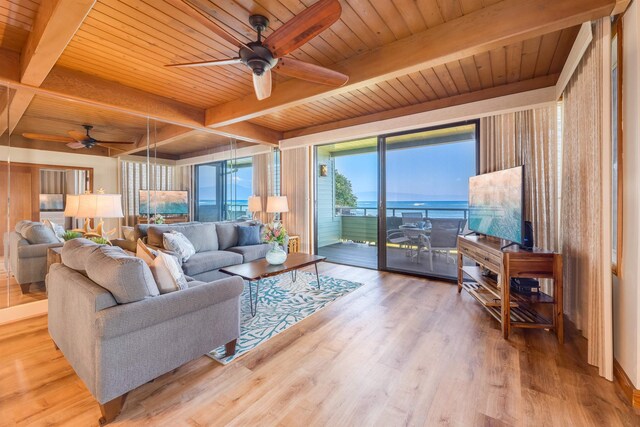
347 202
425 191
210 189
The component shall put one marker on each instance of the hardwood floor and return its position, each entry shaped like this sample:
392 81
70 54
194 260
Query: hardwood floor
398 351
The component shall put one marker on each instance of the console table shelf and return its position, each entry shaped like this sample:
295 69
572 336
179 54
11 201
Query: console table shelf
496 296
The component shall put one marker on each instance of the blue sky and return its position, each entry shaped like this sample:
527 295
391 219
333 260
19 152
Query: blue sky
242 179
438 172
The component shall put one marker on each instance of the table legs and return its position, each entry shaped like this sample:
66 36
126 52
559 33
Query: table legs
294 275
253 305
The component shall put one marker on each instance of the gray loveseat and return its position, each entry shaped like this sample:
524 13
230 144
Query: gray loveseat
27 248
117 332
216 245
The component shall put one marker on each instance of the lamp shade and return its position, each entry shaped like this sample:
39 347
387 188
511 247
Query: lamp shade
71 207
100 206
255 204
277 204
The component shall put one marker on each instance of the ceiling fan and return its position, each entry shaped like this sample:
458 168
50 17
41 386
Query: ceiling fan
262 56
76 140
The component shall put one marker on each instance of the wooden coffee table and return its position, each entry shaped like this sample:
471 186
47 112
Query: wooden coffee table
260 269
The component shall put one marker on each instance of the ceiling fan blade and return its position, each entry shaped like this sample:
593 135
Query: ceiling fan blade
310 72
44 137
262 85
303 27
75 145
207 63
77 136
204 19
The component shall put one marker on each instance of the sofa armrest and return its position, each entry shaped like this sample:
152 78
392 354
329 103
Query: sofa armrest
34 251
126 318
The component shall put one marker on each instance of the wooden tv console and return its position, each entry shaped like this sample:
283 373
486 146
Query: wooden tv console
519 310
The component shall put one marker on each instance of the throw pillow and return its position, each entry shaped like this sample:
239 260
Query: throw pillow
58 230
37 233
168 273
129 233
248 235
144 253
178 243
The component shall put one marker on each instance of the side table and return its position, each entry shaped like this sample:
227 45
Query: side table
54 255
294 244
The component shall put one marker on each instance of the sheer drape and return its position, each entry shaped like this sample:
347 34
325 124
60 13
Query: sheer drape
527 138
264 184
52 181
586 202
134 177
296 174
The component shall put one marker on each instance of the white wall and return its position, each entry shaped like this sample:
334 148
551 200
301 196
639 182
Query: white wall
626 291
105 169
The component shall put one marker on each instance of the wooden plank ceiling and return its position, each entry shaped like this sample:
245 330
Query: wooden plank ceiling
130 41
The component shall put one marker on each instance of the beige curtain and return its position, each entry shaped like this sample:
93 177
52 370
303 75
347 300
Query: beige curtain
52 181
527 138
295 182
264 182
586 202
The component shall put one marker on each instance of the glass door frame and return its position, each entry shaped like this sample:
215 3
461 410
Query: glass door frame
382 192
220 189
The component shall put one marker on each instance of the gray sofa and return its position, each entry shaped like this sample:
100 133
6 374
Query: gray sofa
216 245
26 248
117 332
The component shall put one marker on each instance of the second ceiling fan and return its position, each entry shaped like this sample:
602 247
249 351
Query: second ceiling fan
262 56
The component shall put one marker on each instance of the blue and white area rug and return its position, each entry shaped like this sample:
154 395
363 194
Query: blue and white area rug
281 304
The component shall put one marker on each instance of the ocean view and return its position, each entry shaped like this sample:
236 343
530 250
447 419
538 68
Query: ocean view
433 208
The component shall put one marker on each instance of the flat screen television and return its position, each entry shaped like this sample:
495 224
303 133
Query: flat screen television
496 204
164 202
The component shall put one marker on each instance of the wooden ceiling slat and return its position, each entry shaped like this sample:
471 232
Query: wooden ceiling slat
389 90
548 47
430 12
565 43
27 5
483 65
470 71
12 38
499 66
434 82
445 78
411 15
469 6
456 73
422 83
353 21
514 62
370 17
403 91
413 88
530 49
449 9
376 98
392 18
357 99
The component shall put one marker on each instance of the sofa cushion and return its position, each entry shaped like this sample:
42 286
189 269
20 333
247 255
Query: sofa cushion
252 252
208 261
21 224
128 278
249 235
75 253
178 243
227 235
36 233
202 235
167 273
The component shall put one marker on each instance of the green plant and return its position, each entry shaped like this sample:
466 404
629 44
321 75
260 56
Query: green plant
344 192
69 235
100 240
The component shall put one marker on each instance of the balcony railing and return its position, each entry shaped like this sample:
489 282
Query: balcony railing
462 213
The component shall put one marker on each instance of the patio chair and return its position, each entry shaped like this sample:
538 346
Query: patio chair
398 237
444 237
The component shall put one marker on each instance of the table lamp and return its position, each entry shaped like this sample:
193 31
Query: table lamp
277 205
100 206
255 205
71 210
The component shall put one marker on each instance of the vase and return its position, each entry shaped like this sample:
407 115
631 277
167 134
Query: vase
276 255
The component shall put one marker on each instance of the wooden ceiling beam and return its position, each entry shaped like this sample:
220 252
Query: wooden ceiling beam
75 86
55 24
481 95
500 24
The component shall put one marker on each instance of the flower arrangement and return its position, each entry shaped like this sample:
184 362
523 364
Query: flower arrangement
69 235
274 232
157 219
